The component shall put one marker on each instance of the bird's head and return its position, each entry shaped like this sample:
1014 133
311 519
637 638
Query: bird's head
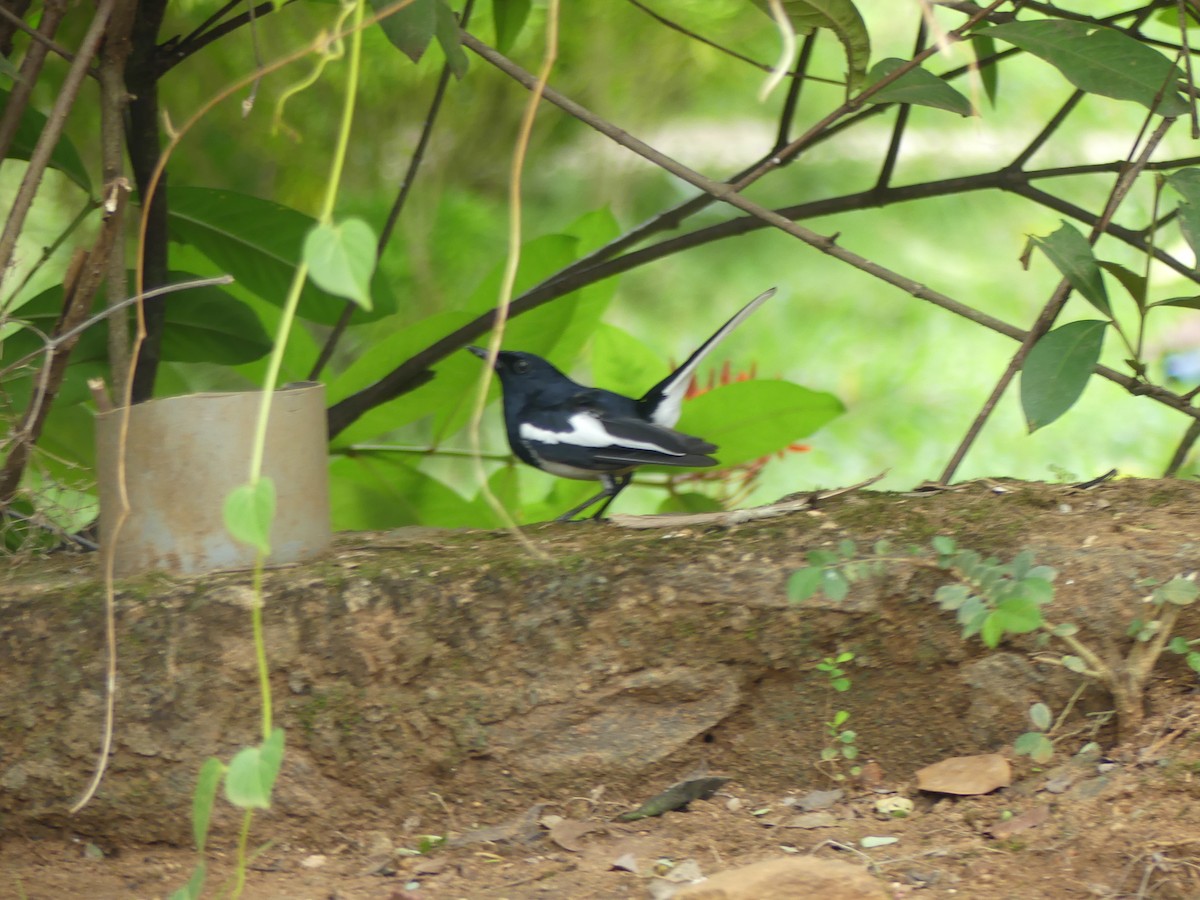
521 369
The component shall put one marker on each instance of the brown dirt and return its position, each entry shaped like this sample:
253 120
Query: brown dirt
437 683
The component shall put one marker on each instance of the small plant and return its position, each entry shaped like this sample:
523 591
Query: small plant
992 599
840 742
1036 744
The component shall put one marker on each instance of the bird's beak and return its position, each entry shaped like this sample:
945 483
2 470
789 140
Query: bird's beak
479 351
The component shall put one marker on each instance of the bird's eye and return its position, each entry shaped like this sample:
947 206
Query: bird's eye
520 366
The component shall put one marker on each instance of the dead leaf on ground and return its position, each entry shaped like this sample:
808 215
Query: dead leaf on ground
568 832
677 796
1031 818
812 820
966 775
520 830
627 862
815 800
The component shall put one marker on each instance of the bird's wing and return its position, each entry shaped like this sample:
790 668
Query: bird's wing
661 404
594 440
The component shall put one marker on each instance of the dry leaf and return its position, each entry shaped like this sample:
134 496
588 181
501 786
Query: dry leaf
966 775
626 862
815 800
1031 818
812 820
567 833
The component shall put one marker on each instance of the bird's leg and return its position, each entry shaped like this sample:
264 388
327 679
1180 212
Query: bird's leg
612 487
615 487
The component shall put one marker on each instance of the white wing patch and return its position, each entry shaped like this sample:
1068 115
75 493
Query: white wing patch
588 431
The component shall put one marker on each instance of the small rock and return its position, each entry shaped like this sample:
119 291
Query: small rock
313 862
788 878
893 807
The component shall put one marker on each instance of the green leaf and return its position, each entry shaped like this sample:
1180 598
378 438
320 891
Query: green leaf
920 87
8 70
1179 590
207 783
509 17
1035 590
1074 664
1099 60
1134 284
410 28
1180 302
1035 745
1066 629
1057 370
748 420
1072 256
252 773
260 244
63 157
249 512
341 259
201 325
834 585
623 363
839 16
992 629
1046 573
1179 645
1039 714
984 48
450 38
942 545
951 596
376 491
209 325
1193 660
804 583
1186 182
1019 615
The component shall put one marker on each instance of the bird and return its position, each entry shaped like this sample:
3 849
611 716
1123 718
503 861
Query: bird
587 433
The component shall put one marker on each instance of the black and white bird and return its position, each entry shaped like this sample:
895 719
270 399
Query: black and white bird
567 429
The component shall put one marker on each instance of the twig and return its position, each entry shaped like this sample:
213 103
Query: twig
699 38
172 55
1045 134
1185 447
893 150
783 136
40 35
55 342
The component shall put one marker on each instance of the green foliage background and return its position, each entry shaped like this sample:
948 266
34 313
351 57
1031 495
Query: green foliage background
911 376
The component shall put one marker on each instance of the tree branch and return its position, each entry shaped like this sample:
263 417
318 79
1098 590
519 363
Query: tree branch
401 378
